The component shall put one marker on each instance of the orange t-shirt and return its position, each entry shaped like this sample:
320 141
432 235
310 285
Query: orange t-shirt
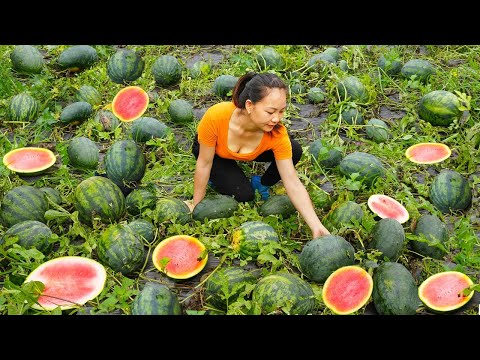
213 131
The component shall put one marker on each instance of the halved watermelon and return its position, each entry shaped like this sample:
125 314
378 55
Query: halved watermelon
70 281
427 153
347 289
130 103
444 291
386 207
180 256
29 160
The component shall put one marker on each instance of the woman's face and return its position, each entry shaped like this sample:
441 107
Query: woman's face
269 111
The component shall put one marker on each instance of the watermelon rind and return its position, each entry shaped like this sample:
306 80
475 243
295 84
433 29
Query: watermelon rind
164 263
68 282
26 166
446 290
348 288
129 109
392 208
429 148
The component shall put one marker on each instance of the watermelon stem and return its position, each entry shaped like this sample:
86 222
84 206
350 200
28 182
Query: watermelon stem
222 260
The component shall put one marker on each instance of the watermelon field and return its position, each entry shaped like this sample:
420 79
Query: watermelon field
97 171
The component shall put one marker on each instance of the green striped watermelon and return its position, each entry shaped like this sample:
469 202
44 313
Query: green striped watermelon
352 116
226 285
377 130
325 154
391 64
283 293
30 234
388 236
144 228
323 255
269 58
394 290
89 94
167 70
99 197
181 111
277 205
347 213
223 85
52 194
21 203
199 68
147 128
22 107
121 248
215 207
156 299
367 166
249 238
78 57
439 108
352 88
423 69
83 153
450 191
124 66
171 210
316 95
432 235
125 163
76 112
139 200
105 120
27 59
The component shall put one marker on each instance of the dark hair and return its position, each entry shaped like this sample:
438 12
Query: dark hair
254 86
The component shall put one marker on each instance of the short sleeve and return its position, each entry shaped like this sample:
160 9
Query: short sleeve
283 147
207 133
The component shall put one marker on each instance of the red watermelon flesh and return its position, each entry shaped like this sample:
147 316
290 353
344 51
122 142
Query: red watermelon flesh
386 207
130 103
70 281
427 153
444 291
347 289
29 159
184 256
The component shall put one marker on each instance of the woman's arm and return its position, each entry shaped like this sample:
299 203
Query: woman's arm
202 172
299 196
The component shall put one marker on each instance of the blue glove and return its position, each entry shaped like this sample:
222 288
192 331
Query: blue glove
262 189
210 183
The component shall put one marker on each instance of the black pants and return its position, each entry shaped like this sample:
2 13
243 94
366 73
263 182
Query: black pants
229 179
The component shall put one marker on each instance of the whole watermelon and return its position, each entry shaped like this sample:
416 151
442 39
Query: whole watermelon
156 299
283 293
439 108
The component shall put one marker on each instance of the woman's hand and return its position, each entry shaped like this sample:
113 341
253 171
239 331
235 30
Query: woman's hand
320 231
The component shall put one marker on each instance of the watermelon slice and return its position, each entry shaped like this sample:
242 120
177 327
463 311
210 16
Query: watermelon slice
347 289
428 153
444 291
130 103
29 160
386 207
180 256
70 281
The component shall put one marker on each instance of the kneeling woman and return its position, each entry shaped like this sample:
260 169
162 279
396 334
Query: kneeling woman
249 129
